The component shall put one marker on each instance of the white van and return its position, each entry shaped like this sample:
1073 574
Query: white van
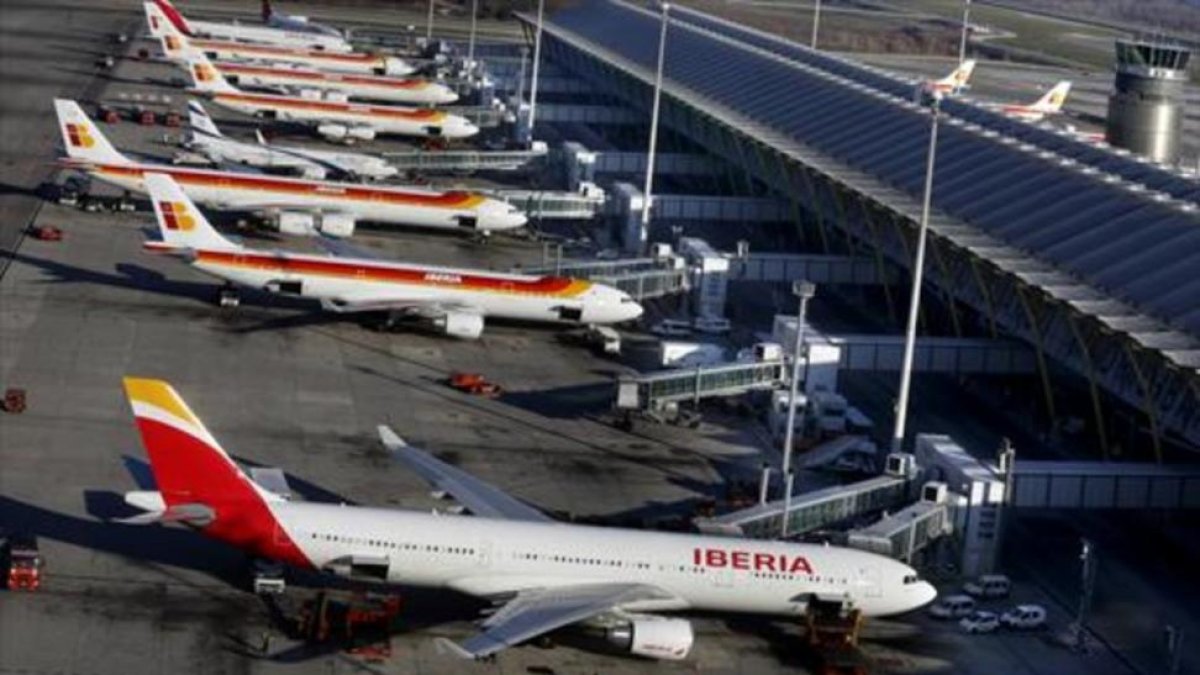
989 586
952 607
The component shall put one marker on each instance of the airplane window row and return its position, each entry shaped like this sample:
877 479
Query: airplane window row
401 546
581 561
790 577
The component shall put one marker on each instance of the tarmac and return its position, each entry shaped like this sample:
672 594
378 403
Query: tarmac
280 384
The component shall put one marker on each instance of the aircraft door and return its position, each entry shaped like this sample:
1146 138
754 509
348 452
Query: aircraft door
483 554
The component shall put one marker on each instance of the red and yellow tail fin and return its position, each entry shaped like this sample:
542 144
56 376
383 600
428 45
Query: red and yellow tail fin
189 465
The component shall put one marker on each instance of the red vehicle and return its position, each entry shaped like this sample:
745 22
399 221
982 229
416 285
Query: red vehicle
24 564
474 383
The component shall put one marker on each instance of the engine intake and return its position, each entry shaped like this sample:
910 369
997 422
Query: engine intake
654 637
303 224
460 325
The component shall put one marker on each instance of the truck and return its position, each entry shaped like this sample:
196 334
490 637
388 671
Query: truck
24 562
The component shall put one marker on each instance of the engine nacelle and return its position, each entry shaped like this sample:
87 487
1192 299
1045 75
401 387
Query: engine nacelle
655 637
314 172
334 132
336 97
395 66
362 133
340 225
460 325
311 94
296 223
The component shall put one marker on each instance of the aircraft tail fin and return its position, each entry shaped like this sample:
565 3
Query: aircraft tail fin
82 138
191 469
1053 100
206 77
960 76
200 121
173 16
180 223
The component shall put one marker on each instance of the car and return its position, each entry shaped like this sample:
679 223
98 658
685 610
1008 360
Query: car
989 586
980 622
952 607
1024 617
671 328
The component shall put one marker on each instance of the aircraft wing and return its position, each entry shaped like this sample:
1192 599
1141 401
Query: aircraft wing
340 248
479 497
537 611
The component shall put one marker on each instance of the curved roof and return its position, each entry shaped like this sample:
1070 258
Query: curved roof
1126 229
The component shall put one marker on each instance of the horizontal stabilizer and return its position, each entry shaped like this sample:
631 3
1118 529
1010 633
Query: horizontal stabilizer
200 515
272 480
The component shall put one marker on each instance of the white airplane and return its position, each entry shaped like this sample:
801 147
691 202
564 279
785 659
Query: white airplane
334 120
315 84
176 45
207 139
541 574
958 79
273 35
294 205
1050 103
298 24
456 301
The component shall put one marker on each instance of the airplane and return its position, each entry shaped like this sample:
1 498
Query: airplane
333 120
455 301
273 35
207 139
299 24
956 81
1050 103
176 44
293 205
541 575
315 84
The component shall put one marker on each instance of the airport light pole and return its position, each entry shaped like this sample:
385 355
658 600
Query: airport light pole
1087 558
537 62
471 42
644 230
804 290
429 23
962 42
914 301
787 505
816 23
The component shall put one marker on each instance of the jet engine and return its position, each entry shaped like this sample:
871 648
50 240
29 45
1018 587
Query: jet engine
345 134
314 172
394 66
303 224
336 97
460 325
309 94
653 636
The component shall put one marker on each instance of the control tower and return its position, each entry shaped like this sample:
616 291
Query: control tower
1145 109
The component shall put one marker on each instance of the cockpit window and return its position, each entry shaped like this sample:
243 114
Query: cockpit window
911 579
625 300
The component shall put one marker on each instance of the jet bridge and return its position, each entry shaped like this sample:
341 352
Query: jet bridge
653 392
641 278
812 510
466 160
902 534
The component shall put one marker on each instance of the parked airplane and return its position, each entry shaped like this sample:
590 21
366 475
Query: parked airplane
299 24
294 205
956 81
175 45
456 301
542 575
1050 103
207 139
334 120
315 84
274 35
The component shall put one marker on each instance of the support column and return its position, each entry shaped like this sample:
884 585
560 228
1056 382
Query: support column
1090 365
1040 351
1147 401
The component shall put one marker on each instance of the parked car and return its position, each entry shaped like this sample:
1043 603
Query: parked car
671 328
980 622
1025 617
989 586
952 607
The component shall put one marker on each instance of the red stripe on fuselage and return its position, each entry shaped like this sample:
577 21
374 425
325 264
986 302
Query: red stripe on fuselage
317 76
289 102
187 470
397 274
454 199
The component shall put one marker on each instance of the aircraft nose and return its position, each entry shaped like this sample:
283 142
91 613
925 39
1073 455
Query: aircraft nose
632 310
923 594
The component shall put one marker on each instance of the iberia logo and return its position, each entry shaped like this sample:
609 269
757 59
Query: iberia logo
79 136
204 73
176 217
172 43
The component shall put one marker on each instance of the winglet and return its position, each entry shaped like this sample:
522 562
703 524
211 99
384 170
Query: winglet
390 440
448 646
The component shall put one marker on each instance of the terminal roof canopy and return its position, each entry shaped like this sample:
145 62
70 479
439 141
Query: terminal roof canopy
1122 227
